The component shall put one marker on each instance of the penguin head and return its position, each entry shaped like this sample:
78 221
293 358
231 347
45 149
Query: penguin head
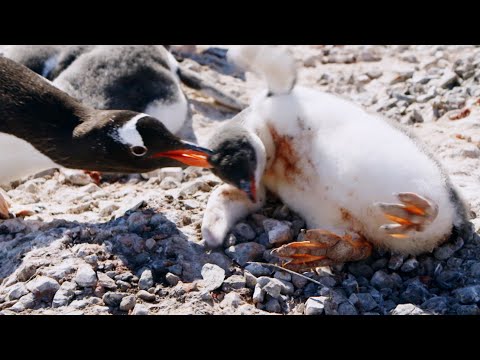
129 141
238 158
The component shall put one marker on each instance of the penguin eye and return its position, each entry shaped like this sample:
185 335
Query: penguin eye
138 150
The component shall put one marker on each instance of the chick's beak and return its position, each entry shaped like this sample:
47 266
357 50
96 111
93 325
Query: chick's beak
249 188
189 154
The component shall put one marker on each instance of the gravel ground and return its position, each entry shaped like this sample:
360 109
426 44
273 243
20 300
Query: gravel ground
132 245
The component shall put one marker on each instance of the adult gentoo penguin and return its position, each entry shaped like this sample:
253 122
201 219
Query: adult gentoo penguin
357 179
42 127
142 78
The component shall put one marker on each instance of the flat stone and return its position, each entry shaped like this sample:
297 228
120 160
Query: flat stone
86 276
246 252
105 281
408 309
146 280
43 287
213 276
127 303
315 305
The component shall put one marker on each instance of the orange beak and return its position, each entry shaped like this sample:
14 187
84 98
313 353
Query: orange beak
196 156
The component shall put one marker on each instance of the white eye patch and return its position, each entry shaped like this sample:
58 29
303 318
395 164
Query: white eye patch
129 134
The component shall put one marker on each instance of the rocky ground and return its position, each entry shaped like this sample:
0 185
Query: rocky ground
132 245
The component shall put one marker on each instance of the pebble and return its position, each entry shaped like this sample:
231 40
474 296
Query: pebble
273 306
150 243
448 79
272 287
172 172
86 276
258 294
409 265
346 308
475 270
379 264
25 302
145 295
137 222
113 299
360 269
250 280
244 231
176 269
350 285
231 299
443 252
123 285
76 177
172 279
415 293
246 252
65 294
436 305
146 280
449 279
327 281
234 282
105 281
169 183
282 275
108 209
275 287
299 282
382 280
43 287
468 295
315 305
311 289
279 232
213 276
364 302
407 309
140 309
395 262
16 291
191 204
258 270
467 310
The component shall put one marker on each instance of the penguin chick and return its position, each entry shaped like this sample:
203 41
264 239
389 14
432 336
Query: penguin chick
356 178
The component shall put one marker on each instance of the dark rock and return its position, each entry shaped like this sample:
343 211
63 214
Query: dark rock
258 270
364 302
467 310
273 306
113 299
360 269
436 305
346 308
350 285
246 252
468 295
146 296
234 282
382 280
449 279
415 293
379 264
410 265
315 305
146 280
245 231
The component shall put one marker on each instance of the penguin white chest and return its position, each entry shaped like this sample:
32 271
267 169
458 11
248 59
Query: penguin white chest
18 158
292 174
